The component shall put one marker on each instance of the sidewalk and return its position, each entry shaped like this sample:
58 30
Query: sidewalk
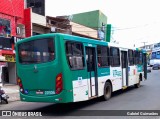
12 91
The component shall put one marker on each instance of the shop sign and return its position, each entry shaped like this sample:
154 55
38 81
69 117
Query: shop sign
10 58
3 63
5 43
16 39
2 58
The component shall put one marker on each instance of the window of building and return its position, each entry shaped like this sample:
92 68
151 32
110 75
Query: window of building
6 43
103 56
38 6
131 57
5 29
115 58
75 55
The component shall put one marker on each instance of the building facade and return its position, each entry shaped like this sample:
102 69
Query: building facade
34 18
93 19
12 28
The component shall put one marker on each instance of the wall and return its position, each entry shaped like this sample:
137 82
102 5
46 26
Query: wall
92 19
12 73
27 21
40 29
38 19
12 7
89 19
12 10
77 28
102 19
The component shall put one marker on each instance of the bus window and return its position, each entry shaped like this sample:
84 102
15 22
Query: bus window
138 57
103 56
136 54
34 52
114 59
131 57
75 57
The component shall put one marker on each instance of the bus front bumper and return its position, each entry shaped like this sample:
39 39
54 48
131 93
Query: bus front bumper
63 97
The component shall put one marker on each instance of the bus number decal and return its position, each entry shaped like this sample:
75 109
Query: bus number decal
49 92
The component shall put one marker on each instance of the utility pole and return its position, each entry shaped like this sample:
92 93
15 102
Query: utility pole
144 44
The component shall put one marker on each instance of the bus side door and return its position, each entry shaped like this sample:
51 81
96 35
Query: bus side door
92 71
124 63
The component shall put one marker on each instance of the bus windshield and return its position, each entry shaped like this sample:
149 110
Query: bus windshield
36 51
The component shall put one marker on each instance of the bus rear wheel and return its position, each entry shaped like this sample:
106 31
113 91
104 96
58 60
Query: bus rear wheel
138 84
107 91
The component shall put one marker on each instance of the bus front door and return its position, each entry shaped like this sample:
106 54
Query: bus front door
124 64
92 71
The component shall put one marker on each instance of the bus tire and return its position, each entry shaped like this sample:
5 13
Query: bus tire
107 91
138 84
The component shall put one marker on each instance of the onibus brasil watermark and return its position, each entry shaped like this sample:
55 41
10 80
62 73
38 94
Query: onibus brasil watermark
21 113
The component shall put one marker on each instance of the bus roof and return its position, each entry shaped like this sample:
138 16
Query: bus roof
76 38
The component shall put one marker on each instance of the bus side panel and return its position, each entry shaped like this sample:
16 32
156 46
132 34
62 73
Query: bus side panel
103 76
81 84
139 71
75 81
80 89
116 78
132 75
67 73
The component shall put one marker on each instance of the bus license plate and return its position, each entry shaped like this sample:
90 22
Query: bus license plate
39 92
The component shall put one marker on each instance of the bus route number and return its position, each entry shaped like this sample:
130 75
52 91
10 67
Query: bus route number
49 92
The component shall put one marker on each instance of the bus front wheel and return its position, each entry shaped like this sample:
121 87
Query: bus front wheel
107 91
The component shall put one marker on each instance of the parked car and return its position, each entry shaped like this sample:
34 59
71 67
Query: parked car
149 69
156 66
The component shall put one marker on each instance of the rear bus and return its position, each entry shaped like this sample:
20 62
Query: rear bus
40 64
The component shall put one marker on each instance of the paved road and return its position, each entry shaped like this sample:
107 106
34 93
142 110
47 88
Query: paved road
147 97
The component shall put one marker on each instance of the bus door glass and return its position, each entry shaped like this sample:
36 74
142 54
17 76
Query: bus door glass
145 65
124 64
91 69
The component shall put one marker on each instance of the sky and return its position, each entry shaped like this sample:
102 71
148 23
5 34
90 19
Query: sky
133 21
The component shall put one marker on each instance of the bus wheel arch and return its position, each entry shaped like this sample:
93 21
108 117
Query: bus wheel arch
107 90
139 80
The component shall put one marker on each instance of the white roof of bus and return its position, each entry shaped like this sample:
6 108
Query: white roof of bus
121 46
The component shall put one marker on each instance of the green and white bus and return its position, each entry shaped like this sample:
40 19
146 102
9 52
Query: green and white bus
62 68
